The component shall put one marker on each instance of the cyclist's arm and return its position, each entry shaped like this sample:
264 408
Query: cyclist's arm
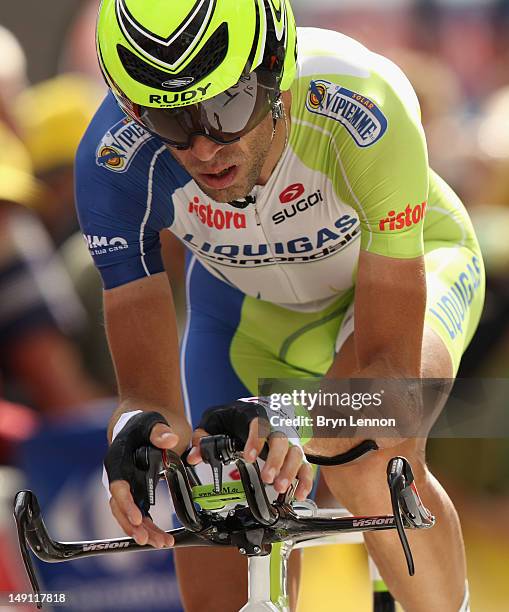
389 182
390 302
121 215
142 334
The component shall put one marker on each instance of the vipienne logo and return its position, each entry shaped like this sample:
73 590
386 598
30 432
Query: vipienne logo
359 115
120 145
291 193
215 217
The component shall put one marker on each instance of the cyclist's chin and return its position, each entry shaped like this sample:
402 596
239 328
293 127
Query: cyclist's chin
238 190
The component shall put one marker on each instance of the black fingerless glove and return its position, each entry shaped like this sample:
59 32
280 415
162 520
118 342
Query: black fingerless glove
234 420
120 462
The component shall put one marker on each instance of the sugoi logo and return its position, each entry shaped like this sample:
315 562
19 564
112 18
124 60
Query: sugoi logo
372 522
362 118
176 83
291 193
98 245
119 145
298 207
398 220
179 98
217 218
105 546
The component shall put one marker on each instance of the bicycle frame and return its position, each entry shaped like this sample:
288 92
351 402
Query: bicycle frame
264 532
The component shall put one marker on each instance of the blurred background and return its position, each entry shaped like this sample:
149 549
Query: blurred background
57 385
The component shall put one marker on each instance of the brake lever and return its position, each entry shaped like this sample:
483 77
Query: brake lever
406 504
149 461
218 451
397 471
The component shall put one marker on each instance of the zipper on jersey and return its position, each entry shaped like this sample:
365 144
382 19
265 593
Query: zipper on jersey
281 267
257 218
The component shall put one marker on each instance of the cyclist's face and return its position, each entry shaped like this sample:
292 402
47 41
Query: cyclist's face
229 172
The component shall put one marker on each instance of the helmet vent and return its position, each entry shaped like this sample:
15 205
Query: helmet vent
207 60
174 49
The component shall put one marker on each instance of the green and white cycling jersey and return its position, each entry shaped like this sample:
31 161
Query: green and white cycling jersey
355 175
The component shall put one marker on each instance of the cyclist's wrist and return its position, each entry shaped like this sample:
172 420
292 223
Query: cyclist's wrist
122 422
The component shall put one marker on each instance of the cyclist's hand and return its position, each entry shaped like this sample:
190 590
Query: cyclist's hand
119 464
245 421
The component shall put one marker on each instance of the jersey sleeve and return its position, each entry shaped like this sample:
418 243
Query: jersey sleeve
375 151
387 178
121 213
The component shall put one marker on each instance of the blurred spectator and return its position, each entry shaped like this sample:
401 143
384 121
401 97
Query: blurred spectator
52 117
13 77
489 352
17 424
445 117
37 301
78 53
493 144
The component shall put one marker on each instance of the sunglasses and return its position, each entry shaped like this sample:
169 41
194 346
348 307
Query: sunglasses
224 119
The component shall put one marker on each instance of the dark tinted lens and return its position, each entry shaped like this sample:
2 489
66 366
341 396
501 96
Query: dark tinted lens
225 118
173 126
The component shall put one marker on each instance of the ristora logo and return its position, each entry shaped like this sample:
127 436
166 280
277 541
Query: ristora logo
215 217
361 117
399 220
120 144
291 193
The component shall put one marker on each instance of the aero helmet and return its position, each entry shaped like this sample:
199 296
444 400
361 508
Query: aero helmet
211 67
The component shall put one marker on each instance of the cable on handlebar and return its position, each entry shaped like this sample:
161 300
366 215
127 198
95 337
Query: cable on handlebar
351 455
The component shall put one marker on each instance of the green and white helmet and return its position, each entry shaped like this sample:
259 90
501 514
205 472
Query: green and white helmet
175 56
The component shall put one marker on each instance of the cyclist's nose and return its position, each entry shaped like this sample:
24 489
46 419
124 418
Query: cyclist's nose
204 149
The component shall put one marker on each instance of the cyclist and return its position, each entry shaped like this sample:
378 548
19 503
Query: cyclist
293 166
